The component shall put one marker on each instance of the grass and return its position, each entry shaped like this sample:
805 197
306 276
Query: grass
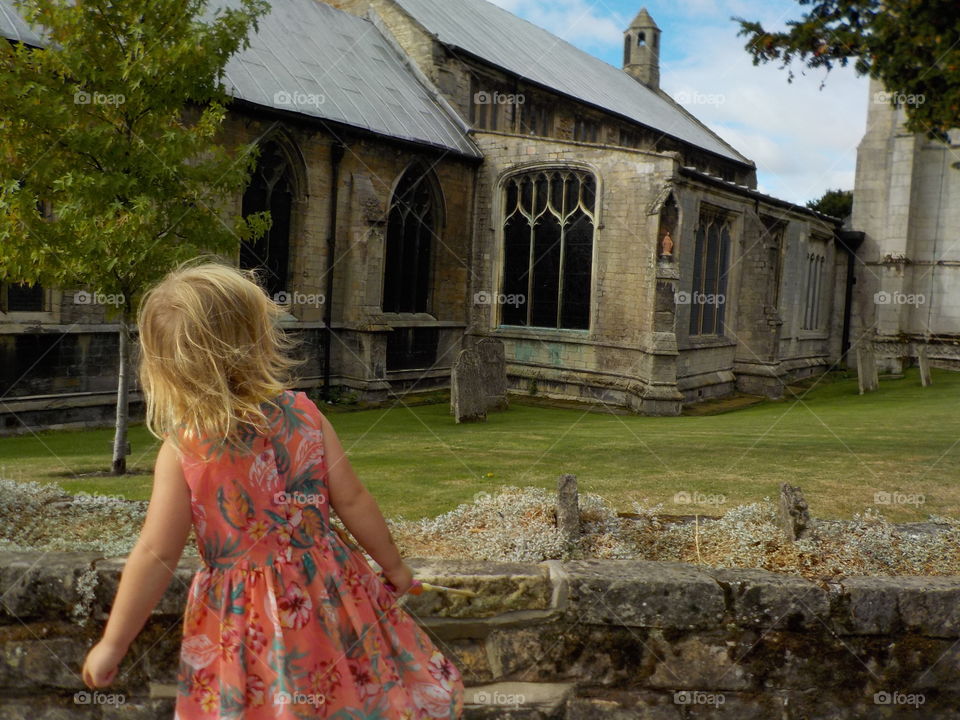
841 448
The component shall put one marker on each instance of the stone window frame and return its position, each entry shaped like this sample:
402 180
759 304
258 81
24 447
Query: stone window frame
724 314
296 162
815 302
51 297
505 113
511 117
587 129
50 314
439 224
498 256
773 236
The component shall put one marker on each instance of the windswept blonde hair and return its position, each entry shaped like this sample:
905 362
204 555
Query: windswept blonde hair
212 352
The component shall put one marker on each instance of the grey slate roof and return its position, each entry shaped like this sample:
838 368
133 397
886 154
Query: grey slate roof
312 59
13 27
345 71
502 39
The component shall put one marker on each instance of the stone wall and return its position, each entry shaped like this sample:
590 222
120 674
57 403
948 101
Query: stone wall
907 204
65 359
582 639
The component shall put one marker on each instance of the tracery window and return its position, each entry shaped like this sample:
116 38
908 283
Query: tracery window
548 232
710 266
272 187
813 291
409 243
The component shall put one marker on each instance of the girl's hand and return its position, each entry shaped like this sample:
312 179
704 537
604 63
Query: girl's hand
100 667
401 577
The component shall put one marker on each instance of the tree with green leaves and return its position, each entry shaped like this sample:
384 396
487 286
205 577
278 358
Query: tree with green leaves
911 46
115 125
838 203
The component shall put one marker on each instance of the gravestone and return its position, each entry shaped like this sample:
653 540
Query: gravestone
568 511
493 373
794 513
867 375
924 361
467 397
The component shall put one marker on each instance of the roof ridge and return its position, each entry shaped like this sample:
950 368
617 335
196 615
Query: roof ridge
607 89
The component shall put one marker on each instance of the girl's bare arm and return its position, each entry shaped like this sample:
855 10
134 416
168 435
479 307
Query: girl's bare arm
359 512
148 569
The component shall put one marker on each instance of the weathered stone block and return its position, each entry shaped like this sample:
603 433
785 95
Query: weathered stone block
702 660
924 605
52 662
637 593
173 601
757 598
36 584
516 700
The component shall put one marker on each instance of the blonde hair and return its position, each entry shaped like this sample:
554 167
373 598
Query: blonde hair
212 352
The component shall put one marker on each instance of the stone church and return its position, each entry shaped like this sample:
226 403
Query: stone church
907 212
442 171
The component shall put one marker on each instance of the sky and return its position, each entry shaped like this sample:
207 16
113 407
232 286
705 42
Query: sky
803 138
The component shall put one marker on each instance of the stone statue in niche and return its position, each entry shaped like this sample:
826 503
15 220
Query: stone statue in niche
666 247
669 217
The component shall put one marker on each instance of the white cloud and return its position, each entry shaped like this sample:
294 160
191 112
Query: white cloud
803 139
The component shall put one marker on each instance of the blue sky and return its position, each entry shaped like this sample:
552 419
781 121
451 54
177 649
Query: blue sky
802 138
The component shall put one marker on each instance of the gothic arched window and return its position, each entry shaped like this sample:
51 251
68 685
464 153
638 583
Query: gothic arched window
710 266
548 232
272 187
409 243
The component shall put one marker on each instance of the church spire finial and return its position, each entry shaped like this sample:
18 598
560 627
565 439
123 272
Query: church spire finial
641 50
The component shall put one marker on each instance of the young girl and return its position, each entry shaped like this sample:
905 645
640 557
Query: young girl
285 619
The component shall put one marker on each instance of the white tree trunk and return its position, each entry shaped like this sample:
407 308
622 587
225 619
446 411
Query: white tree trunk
123 401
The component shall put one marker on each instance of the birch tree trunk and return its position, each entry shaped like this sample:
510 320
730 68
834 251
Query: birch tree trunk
123 400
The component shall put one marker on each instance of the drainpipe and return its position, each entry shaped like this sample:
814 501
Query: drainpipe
337 150
850 240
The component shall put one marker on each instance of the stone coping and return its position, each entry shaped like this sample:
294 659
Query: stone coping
626 593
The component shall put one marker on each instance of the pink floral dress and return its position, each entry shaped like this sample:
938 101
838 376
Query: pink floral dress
286 619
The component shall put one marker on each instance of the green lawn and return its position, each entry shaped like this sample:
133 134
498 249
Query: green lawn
841 448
